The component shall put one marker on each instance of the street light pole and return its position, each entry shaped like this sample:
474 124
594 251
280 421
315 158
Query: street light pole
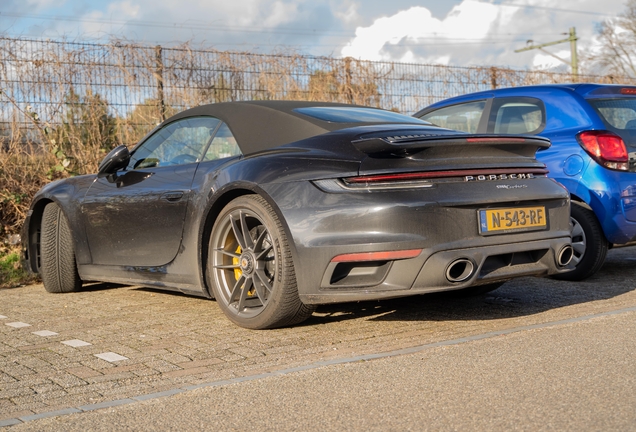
574 61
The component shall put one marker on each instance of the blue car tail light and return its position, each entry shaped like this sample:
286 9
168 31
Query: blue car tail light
606 148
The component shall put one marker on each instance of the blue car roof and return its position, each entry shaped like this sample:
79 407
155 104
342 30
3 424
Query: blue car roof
586 90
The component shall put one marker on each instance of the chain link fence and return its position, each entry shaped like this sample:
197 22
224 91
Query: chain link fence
63 104
48 83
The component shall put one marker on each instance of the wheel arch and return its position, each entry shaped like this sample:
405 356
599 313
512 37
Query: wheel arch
31 250
215 205
580 201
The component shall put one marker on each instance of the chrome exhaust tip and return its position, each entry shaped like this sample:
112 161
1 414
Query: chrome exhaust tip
460 270
565 256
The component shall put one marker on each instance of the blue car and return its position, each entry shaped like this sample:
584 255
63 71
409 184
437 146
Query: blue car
592 128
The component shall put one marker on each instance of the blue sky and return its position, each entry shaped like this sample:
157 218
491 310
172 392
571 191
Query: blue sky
456 32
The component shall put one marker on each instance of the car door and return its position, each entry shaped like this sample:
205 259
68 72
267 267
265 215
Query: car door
136 217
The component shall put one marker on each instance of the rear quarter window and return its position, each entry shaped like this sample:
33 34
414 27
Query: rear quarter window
517 116
462 117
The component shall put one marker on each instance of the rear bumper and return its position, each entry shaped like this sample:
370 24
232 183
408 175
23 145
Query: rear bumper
428 272
441 222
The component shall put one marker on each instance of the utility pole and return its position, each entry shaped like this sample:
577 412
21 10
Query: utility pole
574 61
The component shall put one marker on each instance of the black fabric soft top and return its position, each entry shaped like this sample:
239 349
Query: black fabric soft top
262 125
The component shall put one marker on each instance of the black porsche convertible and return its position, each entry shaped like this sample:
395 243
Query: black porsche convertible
273 207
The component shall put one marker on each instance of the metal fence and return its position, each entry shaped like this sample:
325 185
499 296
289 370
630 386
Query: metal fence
46 83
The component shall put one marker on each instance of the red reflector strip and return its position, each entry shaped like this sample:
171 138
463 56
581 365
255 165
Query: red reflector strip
628 90
377 256
495 140
442 174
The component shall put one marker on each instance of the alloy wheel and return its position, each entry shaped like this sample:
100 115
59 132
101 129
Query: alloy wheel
244 262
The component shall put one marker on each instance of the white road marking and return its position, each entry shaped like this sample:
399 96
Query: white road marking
76 343
44 333
111 357
18 324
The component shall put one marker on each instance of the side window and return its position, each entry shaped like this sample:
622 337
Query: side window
516 116
463 117
223 145
177 143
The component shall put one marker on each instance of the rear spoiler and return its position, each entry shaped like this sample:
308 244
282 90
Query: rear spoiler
414 142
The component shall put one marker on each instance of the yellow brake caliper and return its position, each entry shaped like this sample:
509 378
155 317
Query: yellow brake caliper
235 261
238 272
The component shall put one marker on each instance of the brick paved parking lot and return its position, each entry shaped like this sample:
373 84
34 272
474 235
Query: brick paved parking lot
109 342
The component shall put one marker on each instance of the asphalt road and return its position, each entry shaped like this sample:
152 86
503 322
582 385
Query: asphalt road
537 354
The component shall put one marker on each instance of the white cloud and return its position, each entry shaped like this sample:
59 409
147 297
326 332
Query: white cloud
468 21
546 61
480 32
124 9
346 11
454 32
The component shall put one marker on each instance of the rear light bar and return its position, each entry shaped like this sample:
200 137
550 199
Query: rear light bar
442 174
628 90
606 148
377 256
495 140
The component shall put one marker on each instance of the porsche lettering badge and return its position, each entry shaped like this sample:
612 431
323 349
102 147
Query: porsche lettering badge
499 177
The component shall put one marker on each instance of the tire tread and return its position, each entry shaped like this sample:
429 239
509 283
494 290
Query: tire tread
291 311
596 246
58 267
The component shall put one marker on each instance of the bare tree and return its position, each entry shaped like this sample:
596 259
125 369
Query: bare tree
617 55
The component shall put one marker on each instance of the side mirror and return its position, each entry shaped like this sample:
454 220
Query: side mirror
118 158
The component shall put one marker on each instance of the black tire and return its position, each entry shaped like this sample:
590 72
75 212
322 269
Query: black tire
250 267
476 290
57 254
589 244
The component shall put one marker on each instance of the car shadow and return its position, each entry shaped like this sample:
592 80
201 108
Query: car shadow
516 298
100 286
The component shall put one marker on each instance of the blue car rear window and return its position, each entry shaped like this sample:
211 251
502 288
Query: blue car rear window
617 113
357 115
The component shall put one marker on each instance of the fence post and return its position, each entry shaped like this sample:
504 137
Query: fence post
493 77
159 72
348 87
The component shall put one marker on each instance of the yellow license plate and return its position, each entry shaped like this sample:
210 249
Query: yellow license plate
512 219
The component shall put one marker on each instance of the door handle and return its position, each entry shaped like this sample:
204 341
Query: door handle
172 196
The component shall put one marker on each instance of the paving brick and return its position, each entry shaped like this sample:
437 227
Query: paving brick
4 378
32 380
16 370
246 352
38 346
184 372
73 400
15 392
112 377
83 372
66 380
281 349
173 358
200 363
14 414
161 365
97 364
145 371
